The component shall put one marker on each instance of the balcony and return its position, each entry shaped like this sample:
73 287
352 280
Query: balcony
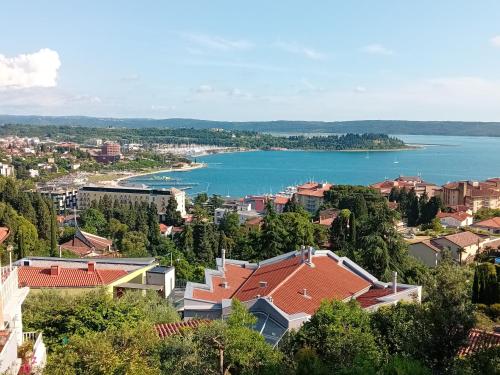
33 353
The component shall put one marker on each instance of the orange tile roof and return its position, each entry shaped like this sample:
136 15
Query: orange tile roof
4 233
463 239
281 200
235 275
327 280
40 277
169 329
371 297
163 228
460 216
494 222
479 340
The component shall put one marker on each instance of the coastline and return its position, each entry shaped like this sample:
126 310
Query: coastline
117 181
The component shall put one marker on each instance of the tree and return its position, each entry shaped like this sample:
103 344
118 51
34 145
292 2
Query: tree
172 216
187 242
340 334
230 224
134 245
53 233
93 221
412 209
486 286
154 235
296 230
339 232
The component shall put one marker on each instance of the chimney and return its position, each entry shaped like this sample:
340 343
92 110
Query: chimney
54 270
304 292
223 255
302 254
262 284
225 284
90 267
394 282
309 256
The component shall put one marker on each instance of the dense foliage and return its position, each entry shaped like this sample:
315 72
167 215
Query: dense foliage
218 137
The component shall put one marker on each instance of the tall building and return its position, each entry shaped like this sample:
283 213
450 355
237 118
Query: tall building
407 182
110 152
12 296
132 195
473 194
311 195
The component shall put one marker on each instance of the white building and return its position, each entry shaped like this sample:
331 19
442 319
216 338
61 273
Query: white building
244 212
6 170
455 219
11 326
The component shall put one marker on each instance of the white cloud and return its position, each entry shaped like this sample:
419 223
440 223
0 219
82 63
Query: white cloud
217 42
37 69
495 41
377 49
296 48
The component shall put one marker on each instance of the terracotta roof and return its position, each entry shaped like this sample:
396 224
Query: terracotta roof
254 221
371 297
430 244
281 200
460 216
40 277
235 275
163 228
494 222
84 243
479 340
4 233
326 221
313 189
168 329
463 239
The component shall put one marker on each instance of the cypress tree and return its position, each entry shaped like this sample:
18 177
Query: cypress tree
53 233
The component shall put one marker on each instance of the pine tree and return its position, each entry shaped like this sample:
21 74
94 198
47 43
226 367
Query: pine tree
172 216
412 209
53 234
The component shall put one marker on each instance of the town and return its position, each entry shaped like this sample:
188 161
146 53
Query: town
343 277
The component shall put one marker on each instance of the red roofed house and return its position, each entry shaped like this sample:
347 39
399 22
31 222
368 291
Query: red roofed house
455 219
79 275
85 244
311 195
479 340
4 233
408 182
279 203
491 225
169 329
283 292
463 247
473 194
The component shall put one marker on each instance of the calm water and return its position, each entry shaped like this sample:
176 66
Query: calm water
443 159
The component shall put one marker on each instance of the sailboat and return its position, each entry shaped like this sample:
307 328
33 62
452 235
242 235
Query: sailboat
396 161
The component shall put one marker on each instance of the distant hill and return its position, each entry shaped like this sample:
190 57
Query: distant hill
459 128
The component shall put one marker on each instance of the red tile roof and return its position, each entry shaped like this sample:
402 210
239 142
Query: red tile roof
169 329
494 222
285 280
460 216
313 189
281 200
163 228
371 297
4 233
84 243
40 277
235 275
479 340
463 239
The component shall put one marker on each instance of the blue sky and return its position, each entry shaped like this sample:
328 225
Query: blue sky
255 60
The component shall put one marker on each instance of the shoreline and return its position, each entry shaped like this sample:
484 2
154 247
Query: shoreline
117 181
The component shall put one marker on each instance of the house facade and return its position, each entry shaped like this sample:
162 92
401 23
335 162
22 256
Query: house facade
473 194
285 291
12 335
455 219
311 195
490 225
463 247
407 182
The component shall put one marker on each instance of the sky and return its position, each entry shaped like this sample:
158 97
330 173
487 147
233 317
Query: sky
253 60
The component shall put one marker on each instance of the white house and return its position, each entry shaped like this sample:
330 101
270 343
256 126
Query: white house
11 326
6 170
455 219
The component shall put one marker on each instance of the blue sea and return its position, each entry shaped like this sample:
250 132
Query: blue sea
440 160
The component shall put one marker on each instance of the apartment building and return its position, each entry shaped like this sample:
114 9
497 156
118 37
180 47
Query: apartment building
407 182
311 195
12 296
63 198
6 170
473 194
132 195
